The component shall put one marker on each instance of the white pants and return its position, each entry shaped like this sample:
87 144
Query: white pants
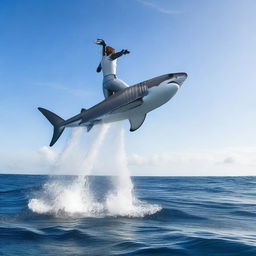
112 84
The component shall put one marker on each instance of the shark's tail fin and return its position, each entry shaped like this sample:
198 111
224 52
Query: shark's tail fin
56 121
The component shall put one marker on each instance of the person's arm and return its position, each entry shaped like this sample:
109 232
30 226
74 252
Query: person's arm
102 42
118 54
103 50
99 68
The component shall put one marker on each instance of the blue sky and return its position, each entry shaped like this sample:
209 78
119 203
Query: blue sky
48 59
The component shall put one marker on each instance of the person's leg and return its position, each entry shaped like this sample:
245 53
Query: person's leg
106 93
121 84
115 85
112 84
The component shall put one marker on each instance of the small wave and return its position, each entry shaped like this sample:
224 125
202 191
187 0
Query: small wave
128 245
73 234
23 233
244 213
167 214
160 251
221 245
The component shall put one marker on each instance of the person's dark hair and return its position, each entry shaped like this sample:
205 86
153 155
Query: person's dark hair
110 50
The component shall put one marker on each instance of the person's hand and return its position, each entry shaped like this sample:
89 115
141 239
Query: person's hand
100 42
125 52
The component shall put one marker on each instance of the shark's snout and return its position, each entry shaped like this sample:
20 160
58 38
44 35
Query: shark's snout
180 78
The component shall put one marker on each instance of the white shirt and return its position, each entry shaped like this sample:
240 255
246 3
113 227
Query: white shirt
108 65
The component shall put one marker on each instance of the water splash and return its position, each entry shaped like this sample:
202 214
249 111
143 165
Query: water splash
62 198
75 197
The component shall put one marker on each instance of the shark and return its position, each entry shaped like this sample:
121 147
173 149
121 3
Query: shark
132 103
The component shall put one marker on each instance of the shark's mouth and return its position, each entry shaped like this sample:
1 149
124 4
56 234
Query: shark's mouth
173 82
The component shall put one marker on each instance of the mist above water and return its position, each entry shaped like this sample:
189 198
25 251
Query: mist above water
76 196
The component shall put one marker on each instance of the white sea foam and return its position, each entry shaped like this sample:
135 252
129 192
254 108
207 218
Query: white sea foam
74 197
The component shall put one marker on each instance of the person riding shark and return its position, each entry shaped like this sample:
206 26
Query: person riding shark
111 83
121 102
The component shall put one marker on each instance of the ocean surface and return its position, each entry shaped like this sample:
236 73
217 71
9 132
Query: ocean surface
62 215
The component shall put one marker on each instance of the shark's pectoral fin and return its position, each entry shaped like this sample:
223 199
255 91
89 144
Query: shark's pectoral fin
89 127
136 121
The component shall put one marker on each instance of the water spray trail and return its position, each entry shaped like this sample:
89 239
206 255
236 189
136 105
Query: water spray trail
90 157
92 154
122 200
63 161
124 183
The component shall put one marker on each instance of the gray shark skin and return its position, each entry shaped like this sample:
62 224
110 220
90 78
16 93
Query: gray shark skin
132 103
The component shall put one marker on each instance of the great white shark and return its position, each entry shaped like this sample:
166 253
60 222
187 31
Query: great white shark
132 103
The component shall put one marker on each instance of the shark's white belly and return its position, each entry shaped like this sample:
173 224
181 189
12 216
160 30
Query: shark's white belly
156 97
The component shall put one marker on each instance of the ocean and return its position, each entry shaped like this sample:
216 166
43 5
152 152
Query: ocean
62 215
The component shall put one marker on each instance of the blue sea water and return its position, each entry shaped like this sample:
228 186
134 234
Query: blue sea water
195 216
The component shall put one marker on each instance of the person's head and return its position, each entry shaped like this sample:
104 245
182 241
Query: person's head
110 50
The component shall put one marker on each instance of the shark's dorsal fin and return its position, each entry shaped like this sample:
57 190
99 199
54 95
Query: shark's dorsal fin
136 121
